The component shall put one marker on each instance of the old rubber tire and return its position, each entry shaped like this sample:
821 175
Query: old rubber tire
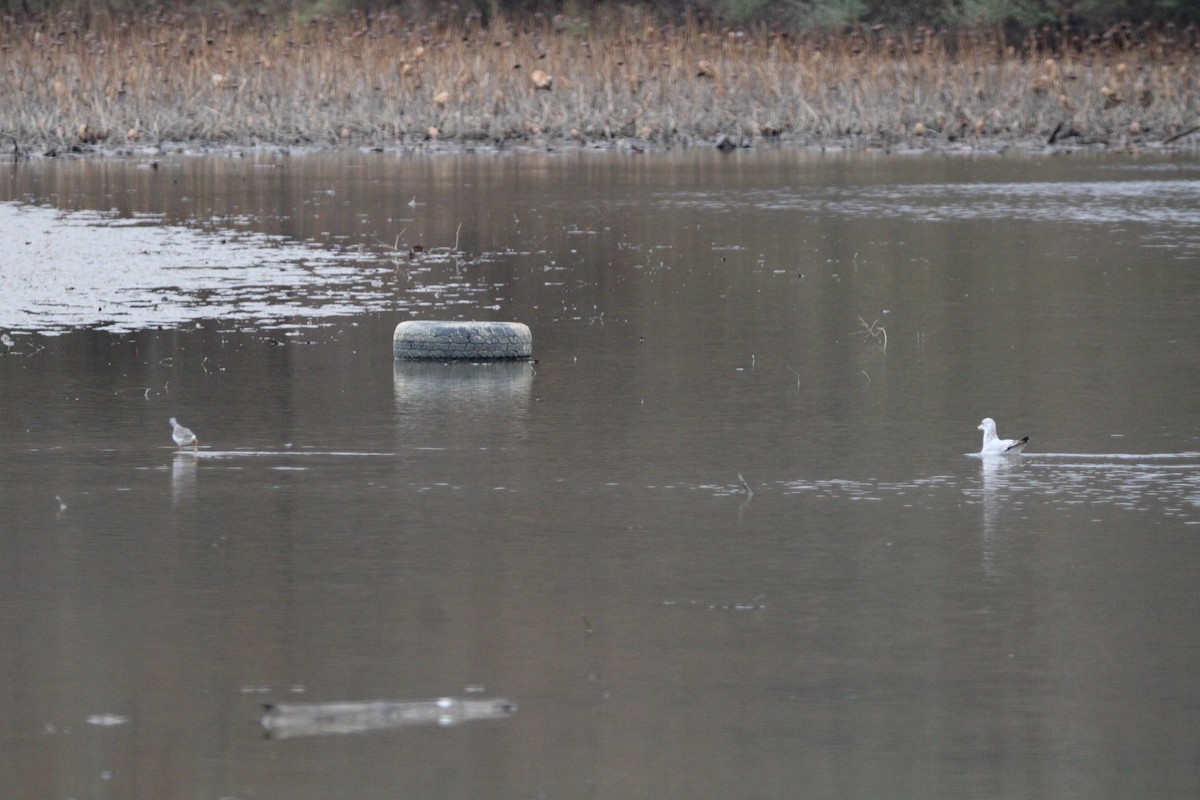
453 341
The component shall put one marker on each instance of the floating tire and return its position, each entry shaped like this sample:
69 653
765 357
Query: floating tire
461 341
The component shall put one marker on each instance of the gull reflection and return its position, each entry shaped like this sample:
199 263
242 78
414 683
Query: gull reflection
997 473
183 476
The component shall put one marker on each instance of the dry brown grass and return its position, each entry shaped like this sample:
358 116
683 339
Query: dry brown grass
382 81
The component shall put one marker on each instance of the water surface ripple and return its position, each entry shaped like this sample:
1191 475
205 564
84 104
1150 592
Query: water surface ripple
725 538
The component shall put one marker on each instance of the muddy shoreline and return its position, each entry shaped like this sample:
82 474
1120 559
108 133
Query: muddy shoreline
978 146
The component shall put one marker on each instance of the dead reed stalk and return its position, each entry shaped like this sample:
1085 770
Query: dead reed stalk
381 80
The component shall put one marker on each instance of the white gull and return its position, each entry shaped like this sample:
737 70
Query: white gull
183 436
993 445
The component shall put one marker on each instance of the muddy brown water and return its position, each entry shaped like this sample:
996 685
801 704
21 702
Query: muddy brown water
884 615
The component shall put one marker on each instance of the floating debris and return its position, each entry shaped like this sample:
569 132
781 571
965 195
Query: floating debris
313 719
107 720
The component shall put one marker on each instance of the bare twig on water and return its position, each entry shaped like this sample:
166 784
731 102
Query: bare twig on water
873 330
396 244
797 374
440 253
745 486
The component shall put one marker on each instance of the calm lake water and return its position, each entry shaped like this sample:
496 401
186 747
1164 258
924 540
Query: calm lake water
883 616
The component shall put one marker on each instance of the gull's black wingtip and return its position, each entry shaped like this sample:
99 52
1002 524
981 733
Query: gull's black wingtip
1016 446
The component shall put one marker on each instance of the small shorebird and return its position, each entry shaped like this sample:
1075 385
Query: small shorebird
183 436
993 445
